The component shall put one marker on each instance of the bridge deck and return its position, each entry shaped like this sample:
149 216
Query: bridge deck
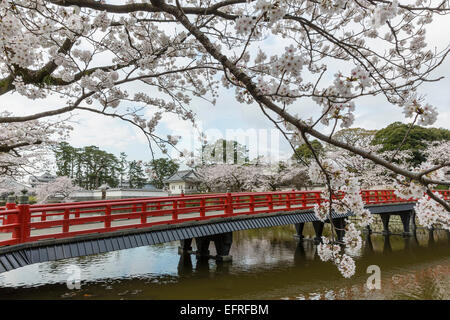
38 233
128 222
34 223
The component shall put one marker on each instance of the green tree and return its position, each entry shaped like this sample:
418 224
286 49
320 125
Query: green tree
89 166
160 169
358 137
304 152
391 137
65 159
136 175
223 151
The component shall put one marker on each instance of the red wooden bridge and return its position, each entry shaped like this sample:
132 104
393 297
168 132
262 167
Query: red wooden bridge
108 225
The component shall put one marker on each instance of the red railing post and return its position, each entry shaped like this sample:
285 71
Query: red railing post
108 216
77 213
252 203
182 204
304 204
22 232
202 208
269 199
144 213
228 204
175 210
65 227
10 205
288 200
318 197
292 198
363 196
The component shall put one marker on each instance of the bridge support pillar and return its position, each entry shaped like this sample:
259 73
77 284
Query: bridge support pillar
202 244
185 264
222 242
318 229
339 224
387 248
413 220
385 217
185 246
299 228
368 230
406 217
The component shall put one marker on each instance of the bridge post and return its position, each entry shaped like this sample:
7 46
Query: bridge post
144 213
108 216
22 233
202 244
318 228
299 228
368 248
367 229
185 264
413 220
387 248
385 219
223 244
431 241
10 205
65 224
202 208
174 211
270 202
185 246
229 205
182 204
405 217
339 224
288 200
252 204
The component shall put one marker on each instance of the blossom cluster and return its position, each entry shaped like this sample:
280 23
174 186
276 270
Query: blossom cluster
275 11
244 25
332 252
431 214
290 62
384 13
427 114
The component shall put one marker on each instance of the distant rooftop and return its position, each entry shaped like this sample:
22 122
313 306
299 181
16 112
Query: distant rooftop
183 176
46 177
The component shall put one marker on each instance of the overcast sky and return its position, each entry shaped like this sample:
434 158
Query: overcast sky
115 136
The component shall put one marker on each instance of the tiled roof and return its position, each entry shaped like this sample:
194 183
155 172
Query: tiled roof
183 175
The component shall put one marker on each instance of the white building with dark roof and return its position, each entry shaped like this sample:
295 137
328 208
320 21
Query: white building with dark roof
184 181
38 180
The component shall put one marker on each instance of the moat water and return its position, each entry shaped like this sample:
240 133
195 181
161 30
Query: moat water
267 264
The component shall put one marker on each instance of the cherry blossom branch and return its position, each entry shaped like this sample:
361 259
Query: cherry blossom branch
252 89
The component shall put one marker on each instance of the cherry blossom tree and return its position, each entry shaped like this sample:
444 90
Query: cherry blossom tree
152 57
254 176
25 146
61 187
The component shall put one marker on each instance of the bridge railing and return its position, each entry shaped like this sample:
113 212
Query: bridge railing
28 223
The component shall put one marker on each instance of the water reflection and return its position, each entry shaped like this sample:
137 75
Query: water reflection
267 264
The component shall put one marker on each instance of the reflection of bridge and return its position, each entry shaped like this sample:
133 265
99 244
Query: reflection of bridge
38 233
